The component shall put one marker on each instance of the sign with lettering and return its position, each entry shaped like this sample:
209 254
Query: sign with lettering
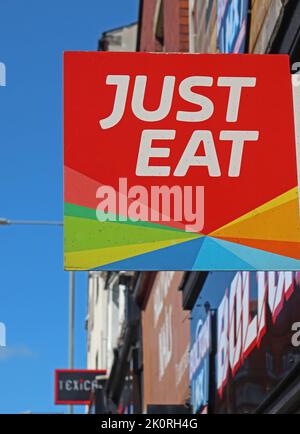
199 359
232 25
179 162
255 337
77 386
165 328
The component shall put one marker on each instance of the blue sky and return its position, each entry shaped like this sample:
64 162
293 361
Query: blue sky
33 285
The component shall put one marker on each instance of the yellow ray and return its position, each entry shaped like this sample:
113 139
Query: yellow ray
277 219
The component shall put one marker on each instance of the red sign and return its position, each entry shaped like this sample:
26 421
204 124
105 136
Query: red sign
180 161
76 386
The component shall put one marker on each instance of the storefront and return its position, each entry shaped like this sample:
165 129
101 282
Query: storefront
245 342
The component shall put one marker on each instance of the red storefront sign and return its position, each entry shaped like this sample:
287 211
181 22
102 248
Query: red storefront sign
180 161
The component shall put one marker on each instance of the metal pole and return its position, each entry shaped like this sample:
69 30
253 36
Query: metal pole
6 222
71 323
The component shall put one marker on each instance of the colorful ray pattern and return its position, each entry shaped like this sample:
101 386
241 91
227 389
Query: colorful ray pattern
266 238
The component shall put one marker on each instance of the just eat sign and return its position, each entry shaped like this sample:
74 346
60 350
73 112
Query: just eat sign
179 162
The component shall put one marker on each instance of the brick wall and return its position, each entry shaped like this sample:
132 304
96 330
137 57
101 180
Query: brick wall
176 26
147 41
184 25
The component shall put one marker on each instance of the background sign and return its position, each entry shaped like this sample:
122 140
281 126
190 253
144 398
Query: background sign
179 162
256 341
232 25
199 358
165 328
76 386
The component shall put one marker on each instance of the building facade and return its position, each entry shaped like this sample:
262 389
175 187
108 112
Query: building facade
165 329
164 26
119 39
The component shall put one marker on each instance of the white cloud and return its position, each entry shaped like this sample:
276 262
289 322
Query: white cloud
15 352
